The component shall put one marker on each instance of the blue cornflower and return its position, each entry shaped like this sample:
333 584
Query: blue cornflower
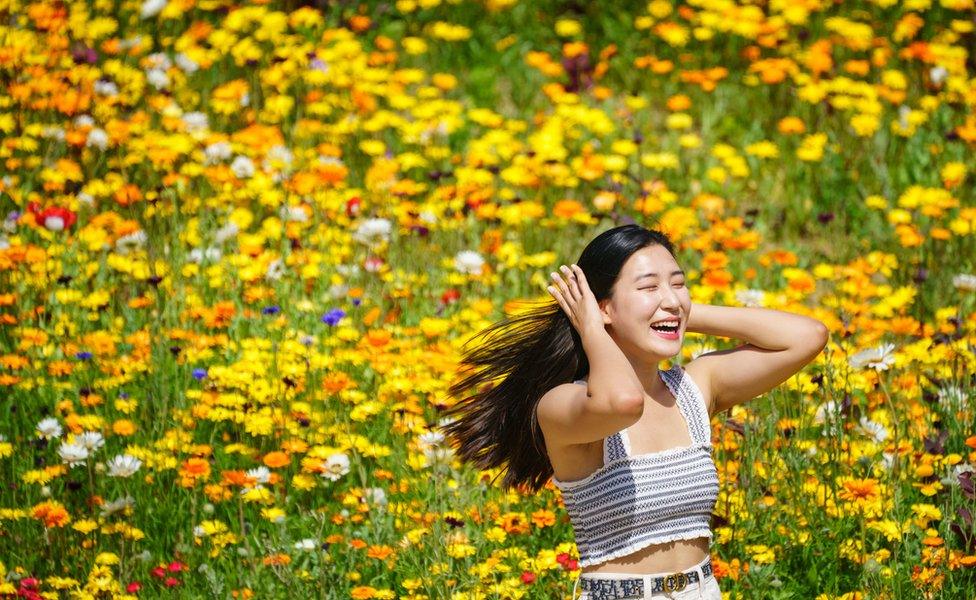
270 310
333 316
199 374
83 355
357 301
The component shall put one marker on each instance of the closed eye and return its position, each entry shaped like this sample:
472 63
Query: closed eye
654 287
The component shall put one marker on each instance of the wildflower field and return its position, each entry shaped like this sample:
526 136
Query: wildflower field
242 246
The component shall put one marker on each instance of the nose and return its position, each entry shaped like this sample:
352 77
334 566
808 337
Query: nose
669 298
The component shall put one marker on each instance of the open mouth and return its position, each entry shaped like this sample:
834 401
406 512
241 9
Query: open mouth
667 330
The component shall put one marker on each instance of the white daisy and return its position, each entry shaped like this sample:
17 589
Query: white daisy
157 78
131 241
73 454
965 282
373 231
469 262
242 167
226 232
306 545
49 428
336 466
92 440
123 465
105 88
217 152
151 8
376 495
186 63
880 358
260 474
97 138
873 429
116 506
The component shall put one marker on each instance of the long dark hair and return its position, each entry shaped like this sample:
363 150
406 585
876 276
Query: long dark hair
523 357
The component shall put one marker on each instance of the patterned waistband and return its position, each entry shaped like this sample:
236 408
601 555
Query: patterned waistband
609 589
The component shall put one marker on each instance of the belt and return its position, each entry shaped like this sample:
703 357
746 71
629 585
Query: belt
608 589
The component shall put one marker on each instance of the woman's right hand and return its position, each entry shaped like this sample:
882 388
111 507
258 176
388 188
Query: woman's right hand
576 299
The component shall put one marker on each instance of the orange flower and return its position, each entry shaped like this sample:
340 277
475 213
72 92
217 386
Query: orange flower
715 260
128 194
567 208
362 592
380 552
359 23
788 125
717 278
574 49
513 523
52 513
543 518
857 490
679 102
277 559
276 459
194 469
378 337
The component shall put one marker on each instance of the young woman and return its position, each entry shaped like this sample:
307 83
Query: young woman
572 391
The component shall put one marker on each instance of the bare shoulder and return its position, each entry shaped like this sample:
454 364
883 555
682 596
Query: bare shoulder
699 369
558 408
558 413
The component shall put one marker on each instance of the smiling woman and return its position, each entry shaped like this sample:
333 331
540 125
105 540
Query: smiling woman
629 446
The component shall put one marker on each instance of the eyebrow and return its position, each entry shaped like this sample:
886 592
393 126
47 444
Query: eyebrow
639 277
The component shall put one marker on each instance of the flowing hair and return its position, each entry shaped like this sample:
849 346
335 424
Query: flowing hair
493 423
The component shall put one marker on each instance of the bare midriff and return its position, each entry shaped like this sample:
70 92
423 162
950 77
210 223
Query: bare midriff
657 558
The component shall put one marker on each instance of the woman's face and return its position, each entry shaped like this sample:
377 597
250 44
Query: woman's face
651 287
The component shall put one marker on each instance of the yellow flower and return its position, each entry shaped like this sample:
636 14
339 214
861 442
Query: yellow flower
85 526
568 27
811 148
763 149
273 514
864 125
496 534
413 45
953 174
107 558
679 121
660 160
875 201
372 147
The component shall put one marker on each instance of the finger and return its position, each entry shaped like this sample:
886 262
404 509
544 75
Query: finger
581 278
572 283
559 299
563 289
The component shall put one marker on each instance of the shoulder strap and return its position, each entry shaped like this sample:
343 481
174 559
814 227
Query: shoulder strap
615 446
694 402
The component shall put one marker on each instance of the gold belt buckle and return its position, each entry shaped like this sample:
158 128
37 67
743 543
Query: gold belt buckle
675 582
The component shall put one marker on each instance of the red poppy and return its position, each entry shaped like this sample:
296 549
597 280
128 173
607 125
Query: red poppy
54 218
352 206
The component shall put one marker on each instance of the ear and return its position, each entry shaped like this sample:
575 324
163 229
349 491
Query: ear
606 311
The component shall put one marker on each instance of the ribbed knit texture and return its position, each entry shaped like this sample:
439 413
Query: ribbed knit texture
632 501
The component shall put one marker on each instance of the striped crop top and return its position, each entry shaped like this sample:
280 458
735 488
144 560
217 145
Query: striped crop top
633 501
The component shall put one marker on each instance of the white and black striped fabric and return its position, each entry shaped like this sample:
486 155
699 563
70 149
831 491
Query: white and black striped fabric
633 501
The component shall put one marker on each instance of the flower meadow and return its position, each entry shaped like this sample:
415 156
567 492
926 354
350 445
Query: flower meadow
243 244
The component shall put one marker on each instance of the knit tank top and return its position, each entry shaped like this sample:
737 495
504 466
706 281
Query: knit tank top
633 501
